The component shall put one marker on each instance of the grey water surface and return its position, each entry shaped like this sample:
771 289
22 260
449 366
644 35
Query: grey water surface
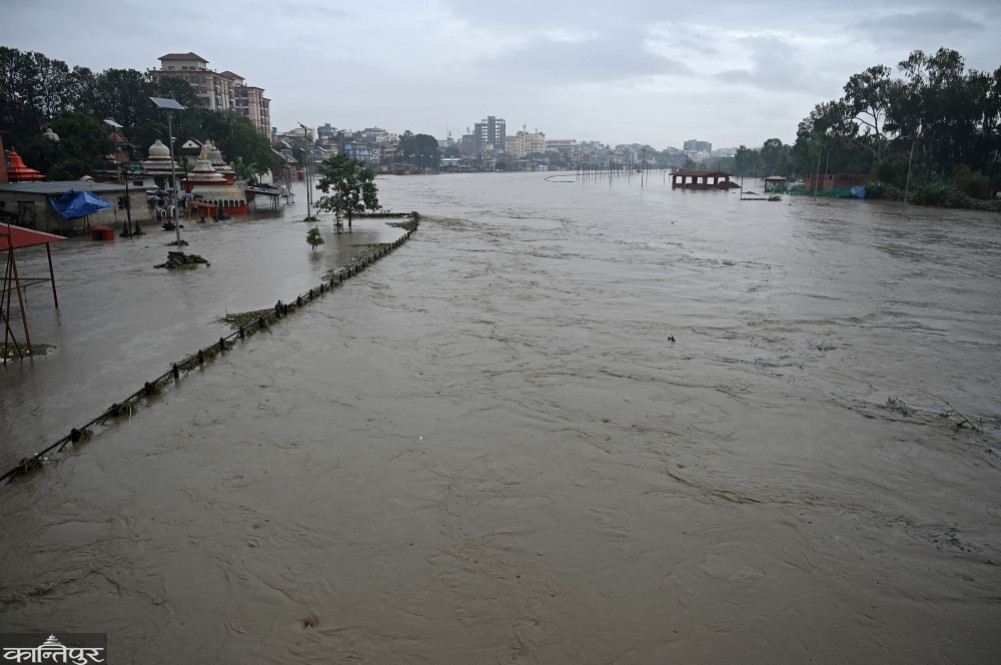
570 421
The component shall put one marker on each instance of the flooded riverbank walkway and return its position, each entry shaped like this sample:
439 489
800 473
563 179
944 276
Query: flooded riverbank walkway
260 320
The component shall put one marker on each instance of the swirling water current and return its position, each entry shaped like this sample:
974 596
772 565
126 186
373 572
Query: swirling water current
570 421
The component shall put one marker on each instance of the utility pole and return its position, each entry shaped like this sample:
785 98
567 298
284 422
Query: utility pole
171 105
907 184
305 162
118 168
816 181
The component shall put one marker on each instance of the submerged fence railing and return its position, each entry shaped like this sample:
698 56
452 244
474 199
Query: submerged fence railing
260 322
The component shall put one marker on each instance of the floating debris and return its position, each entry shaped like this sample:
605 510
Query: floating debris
244 319
181 260
897 404
33 350
963 421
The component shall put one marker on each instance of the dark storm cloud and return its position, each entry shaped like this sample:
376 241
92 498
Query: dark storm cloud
659 71
601 58
907 28
772 64
567 43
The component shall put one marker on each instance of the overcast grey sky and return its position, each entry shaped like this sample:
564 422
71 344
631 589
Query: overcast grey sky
617 71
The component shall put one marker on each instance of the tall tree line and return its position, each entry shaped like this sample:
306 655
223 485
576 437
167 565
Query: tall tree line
935 115
936 119
37 93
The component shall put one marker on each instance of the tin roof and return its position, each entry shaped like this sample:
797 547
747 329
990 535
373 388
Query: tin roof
59 186
183 56
702 173
22 237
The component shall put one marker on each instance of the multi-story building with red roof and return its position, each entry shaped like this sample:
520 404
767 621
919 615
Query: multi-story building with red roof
218 90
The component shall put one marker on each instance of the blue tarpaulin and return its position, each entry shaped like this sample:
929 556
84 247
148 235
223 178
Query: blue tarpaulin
74 204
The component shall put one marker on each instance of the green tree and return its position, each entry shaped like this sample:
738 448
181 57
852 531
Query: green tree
420 149
240 141
83 146
774 158
892 169
865 106
81 85
83 137
813 134
314 238
985 90
234 135
24 110
746 161
174 87
348 185
51 94
122 94
931 106
42 153
974 184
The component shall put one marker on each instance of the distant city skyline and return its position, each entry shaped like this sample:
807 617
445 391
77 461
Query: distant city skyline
636 71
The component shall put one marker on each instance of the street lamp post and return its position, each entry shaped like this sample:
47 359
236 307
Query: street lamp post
171 105
118 168
305 163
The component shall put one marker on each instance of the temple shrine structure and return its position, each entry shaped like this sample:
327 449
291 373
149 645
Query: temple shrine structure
214 156
159 165
211 191
18 171
701 180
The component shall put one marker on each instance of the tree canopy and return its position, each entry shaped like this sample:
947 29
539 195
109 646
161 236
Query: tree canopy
349 187
35 90
949 116
82 147
420 149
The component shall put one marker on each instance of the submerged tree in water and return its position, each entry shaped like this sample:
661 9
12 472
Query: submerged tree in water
349 186
313 238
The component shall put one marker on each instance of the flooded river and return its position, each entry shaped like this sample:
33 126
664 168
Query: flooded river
569 421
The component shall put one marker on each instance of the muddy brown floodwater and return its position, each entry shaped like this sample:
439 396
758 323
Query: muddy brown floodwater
486 448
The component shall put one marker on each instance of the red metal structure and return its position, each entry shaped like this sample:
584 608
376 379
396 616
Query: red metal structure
11 238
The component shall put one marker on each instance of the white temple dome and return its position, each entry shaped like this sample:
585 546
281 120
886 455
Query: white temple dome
159 150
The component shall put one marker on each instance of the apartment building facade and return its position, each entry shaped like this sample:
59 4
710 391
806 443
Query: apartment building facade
566 147
490 134
526 143
696 145
218 90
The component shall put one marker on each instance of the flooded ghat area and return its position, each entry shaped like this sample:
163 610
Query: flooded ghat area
568 422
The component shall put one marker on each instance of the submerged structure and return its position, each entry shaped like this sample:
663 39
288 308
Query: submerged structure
701 180
13 285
